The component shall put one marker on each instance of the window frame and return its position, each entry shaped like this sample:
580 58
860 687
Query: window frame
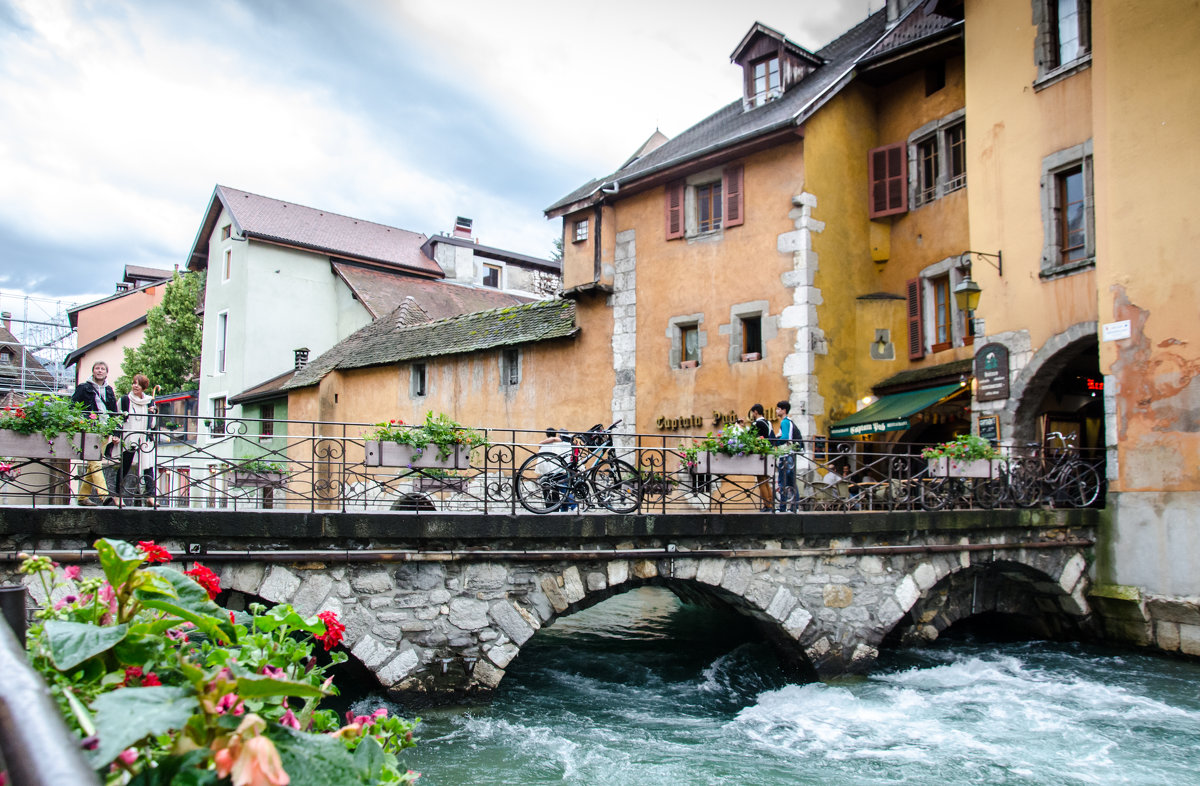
418 380
739 314
769 92
581 230
226 265
266 421
890 184
226 231
752 337
709 203
677 330
930 154
489 269
222 341
510 367
724 188
943 325
220 413
1048 55
926 315
1055 167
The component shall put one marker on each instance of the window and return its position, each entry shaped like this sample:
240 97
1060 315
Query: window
418 388
752 345
689 343
1063 37
222 337
491 276
766 80
941 313
266 418
581 230
939 158
706 202
225 232
888 177
219 408
708 207
227 264
510 368
1068 210
5 357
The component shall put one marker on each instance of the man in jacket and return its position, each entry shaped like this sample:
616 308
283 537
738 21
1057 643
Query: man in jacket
785 467
97 396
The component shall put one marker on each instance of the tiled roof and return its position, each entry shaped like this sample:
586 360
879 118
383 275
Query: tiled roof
329 233
263 391
389 340
733 124
381 291
137 272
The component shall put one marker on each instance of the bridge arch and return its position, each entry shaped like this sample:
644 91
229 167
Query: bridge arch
1045 592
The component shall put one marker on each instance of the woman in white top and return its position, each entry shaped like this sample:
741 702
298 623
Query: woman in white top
137 449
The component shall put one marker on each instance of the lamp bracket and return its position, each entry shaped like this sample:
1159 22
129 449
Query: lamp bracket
998 256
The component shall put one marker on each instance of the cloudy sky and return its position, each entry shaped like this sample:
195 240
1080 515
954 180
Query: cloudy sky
118 118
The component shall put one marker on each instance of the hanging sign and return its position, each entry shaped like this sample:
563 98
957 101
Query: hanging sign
991 372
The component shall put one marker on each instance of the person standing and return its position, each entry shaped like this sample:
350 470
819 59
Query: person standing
785 466
138 409
97 396
759 422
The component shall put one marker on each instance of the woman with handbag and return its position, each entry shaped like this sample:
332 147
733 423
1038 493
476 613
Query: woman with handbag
137 447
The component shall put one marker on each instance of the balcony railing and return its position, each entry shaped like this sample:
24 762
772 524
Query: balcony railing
324 466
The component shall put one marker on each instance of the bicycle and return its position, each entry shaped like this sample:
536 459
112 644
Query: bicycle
1064 477
589 474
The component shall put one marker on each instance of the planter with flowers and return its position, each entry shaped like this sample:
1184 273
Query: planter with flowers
965 456
438 443
53 427
737 450
259 474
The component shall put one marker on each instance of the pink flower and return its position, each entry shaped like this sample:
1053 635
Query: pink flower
289 719
205 578
334 630
128 756
249 759
274 672
72 572
230 703
152 552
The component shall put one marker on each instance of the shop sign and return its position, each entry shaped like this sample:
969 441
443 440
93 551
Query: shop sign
991 373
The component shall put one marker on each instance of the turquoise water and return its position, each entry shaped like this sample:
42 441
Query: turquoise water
642 690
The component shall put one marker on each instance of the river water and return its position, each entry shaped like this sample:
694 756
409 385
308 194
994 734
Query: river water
643 690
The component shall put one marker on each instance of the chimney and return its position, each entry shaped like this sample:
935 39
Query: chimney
462 227
7 317
301 358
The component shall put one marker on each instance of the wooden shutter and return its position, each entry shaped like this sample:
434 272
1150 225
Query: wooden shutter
916 339
887 173
675 224
731 187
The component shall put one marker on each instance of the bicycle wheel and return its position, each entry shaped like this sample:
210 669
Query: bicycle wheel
1079 486
1025 484
935 493
991 492
540 482
617 486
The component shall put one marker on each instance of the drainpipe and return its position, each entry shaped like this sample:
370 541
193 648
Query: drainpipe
597 213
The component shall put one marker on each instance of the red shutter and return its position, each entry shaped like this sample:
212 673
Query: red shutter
674 210
916 340
731 187
887 173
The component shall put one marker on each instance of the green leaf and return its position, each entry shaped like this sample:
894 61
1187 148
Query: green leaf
82 716
187 770
127 715
71 643
284 614
261 685
314 759
137 649
177 594
118 559
369 758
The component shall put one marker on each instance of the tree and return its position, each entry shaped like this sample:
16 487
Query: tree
557 254
172 341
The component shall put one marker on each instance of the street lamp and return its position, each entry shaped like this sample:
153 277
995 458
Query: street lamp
966 294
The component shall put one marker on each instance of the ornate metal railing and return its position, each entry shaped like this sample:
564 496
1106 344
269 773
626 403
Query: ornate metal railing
306 465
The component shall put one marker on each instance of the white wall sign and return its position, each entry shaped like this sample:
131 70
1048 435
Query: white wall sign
1114 331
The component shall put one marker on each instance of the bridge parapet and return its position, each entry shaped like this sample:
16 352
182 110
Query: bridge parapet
439 606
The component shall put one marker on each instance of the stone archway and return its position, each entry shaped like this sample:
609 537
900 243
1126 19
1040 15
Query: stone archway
1035 378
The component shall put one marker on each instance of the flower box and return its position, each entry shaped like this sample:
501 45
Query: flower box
963 468
750 357
720 464
442 484
247 479
393 454
64 446
689 363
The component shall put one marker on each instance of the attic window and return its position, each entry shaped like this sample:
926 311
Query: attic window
491 276
5 357
767 82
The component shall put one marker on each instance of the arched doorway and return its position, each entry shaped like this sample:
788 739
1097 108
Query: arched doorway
1063 392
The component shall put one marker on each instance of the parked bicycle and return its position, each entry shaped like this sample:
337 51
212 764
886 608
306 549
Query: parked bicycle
1058 476
587 475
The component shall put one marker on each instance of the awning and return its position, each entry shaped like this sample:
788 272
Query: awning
892 413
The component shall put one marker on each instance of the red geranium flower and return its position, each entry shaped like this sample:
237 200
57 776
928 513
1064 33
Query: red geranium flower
334 630
134 678
152 552
205 578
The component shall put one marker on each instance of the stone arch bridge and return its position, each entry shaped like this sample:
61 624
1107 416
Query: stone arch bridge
437 605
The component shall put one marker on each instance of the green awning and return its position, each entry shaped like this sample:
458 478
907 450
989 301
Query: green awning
891 413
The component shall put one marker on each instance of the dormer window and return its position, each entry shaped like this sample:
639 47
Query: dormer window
767 83
6 357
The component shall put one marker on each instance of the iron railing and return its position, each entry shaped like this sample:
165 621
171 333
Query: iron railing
318 466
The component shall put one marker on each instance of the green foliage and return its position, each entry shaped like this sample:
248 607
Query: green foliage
172 340
964 447
557 254
734 440
438 430
51 416
170 688
260 467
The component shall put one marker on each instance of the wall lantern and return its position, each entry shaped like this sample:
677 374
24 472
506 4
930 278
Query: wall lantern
966 294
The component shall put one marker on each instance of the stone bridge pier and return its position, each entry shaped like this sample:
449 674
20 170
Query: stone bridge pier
438 608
